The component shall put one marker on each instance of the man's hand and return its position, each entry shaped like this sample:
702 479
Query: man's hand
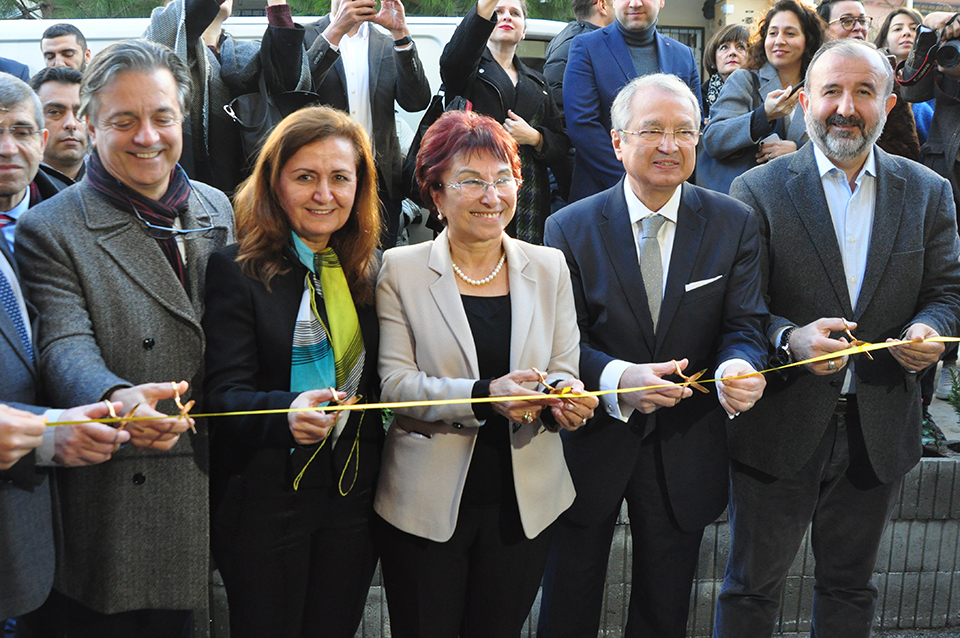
813 340
161 432
87 443
651 374
348 17
393 18
20 432
918 354
309 427
739 395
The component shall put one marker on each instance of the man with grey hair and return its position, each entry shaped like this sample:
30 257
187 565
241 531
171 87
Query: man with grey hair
666 278
21 149
116 267
855 241
27 445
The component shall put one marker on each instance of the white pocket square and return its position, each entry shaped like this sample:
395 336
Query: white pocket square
693 285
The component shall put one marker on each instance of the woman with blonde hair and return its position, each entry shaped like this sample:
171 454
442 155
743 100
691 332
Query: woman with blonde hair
290 324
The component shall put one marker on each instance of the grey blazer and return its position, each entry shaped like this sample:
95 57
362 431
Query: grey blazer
727 138
912 275
134 532
427 351
26 528
396 78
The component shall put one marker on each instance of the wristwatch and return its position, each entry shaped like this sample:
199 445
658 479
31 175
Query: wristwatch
402 42
784 356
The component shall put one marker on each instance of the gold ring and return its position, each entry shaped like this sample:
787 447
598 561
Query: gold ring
527 417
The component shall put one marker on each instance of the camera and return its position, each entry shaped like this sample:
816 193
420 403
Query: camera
946 54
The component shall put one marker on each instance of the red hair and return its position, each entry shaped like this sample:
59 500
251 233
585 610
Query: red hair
463 133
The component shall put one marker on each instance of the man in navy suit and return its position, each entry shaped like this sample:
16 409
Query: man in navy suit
26 536
599 65
662 271
15 69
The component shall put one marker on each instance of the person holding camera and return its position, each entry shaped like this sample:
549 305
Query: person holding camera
937 42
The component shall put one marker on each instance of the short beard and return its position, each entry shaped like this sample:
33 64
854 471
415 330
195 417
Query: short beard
841 146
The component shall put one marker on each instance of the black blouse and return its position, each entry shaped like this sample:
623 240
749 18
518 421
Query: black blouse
490 477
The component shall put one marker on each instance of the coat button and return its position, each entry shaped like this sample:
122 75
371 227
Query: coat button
148 343
139 479
836 383
458 426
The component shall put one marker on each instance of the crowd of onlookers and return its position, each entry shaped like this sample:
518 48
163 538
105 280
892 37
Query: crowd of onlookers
643 287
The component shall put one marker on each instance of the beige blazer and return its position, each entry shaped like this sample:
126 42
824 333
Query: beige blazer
427 352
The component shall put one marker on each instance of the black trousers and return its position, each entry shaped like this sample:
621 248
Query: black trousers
294 564
664 564
479 584
837 492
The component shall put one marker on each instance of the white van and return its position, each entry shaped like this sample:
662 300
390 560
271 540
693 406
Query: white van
20 39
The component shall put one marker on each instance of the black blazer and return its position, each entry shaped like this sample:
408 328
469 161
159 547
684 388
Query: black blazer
468 69
249 333
717 245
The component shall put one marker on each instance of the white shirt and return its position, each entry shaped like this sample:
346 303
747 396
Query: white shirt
852 212
9 231
354 53
610 377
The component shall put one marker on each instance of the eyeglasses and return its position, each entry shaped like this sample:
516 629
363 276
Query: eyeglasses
166 232
478 188
849 22
655 137
20 133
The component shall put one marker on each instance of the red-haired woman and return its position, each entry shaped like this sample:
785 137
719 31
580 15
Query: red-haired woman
289 318
468 493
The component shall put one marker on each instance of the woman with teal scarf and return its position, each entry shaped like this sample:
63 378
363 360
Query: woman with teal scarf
290 323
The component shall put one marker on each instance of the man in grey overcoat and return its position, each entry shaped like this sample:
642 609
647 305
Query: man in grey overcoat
116 265
852 238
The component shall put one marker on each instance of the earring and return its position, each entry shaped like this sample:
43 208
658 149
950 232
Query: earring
439 216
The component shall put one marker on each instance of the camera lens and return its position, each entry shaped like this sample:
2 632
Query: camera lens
948 55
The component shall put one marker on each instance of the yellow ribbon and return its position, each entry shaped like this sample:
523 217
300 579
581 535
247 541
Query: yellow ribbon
857 349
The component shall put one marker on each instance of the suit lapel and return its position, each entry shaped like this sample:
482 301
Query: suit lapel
138 254
686 246
619 51
447 297
889 209
523 298
198 249
617 235
806 194
375 53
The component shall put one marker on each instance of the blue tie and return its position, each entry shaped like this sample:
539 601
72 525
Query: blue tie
9 301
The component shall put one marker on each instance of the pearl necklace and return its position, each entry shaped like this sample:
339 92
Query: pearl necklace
485 280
